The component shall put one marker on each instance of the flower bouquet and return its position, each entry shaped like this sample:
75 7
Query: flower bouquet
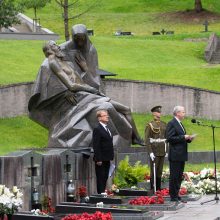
47 205
82 193
10 200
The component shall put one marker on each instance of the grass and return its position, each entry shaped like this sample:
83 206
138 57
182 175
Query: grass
170 61
141 17
20 132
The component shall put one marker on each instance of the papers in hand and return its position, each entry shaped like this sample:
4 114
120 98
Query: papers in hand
193 136
111 169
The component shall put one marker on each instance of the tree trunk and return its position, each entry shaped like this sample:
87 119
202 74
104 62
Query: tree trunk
198 5
35 12
66 20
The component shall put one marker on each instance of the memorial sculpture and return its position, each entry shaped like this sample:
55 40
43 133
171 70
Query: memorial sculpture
67 95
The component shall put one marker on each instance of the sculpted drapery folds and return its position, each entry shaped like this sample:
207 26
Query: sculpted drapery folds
66 95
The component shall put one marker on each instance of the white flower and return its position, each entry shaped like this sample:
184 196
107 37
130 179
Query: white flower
99 204
9 199
15 189
104 194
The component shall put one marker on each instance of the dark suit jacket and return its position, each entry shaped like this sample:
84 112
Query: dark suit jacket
177 143
102 144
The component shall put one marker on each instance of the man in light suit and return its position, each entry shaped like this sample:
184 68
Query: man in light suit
103 150
178 153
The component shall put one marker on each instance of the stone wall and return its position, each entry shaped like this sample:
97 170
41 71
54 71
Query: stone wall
28 36
142 96
138 95
14 99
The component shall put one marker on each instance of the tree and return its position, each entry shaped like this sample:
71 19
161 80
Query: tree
198 6
35 4
66 6
8 13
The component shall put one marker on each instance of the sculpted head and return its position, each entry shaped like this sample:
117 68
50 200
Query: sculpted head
51 47
79 35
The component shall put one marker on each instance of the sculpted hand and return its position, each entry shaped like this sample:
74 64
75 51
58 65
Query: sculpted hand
93 90
80 60
166 155
152 156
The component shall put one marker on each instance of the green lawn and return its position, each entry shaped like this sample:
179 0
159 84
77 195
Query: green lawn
21 132
142 17
159 60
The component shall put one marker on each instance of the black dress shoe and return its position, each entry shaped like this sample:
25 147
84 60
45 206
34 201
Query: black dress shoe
181 200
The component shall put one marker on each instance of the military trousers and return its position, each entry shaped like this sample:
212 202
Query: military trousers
159 161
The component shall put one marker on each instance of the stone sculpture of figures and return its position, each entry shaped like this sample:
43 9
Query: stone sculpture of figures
66 96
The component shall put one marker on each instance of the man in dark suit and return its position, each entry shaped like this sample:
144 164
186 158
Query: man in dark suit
178 153
103 150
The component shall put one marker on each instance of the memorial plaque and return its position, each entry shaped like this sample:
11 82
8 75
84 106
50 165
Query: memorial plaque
106 200
131 192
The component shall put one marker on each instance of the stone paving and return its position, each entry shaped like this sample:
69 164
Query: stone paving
194 210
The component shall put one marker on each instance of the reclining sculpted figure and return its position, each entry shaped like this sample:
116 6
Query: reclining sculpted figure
66 96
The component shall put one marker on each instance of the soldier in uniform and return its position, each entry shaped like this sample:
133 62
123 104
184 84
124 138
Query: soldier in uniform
156 146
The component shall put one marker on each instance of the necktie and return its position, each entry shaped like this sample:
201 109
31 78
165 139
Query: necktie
108 130
182 127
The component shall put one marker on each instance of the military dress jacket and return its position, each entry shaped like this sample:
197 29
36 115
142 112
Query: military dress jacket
154 138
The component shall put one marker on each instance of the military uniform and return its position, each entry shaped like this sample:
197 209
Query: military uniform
156 144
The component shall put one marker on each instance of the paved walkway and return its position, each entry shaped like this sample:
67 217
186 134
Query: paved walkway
194 210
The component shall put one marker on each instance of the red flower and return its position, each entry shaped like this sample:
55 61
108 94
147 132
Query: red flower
147 176
145 200
82 192
165 192
109 192
85 216
183 191
47 205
